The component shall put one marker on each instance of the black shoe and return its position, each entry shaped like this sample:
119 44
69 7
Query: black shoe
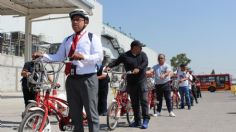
189 107
135 124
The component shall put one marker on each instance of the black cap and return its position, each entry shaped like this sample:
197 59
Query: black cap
136 43
183 65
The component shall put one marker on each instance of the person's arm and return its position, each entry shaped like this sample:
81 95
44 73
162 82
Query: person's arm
103 75
144 63
116 62
60 55
25 72
150 73
95 55
167 73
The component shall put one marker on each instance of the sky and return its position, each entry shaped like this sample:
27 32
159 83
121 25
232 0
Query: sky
205 30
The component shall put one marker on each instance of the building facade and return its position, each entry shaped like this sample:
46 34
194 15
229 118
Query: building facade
114 42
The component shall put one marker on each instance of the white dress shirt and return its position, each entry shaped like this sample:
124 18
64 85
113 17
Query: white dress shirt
91 50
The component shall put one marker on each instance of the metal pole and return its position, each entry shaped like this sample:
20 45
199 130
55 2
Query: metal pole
28 40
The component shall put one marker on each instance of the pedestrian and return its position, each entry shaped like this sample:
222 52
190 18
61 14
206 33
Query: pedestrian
27 87
162 73
183 78
86 51
136 60
103 81
198 85
193 86
190 80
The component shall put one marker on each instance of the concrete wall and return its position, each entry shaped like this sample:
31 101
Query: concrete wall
10 69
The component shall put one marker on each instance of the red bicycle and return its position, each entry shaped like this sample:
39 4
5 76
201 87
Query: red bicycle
37 115
121 105
175 94
152 96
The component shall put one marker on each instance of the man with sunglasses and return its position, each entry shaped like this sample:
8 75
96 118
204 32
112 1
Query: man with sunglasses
162 72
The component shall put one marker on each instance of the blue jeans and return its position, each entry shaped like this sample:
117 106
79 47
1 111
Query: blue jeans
184 92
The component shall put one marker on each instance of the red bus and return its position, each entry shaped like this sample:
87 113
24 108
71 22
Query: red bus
213 82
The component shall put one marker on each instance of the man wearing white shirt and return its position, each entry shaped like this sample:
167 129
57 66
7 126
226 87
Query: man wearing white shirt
183 78
82 83
162 72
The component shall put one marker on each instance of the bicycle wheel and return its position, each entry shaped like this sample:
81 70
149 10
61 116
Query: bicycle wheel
112 116
30 105
177 102
32 122
129 113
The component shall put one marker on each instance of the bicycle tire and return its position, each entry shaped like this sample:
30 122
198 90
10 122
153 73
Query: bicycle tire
177 102
30 105
129 113
37 116
112 119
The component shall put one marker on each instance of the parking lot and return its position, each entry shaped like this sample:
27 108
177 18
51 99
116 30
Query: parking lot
216 112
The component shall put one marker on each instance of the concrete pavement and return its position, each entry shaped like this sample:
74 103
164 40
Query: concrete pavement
216 112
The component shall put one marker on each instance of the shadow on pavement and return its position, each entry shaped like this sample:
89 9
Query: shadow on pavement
232 113
9 124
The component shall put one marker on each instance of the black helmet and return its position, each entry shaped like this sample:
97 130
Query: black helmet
79 12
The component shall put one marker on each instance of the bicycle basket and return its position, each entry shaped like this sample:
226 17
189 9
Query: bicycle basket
122 85
150 83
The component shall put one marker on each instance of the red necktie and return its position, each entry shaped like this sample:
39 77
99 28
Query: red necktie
72 50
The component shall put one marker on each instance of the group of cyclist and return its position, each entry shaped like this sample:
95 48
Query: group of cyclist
82 83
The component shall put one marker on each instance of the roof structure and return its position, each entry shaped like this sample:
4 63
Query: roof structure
32 9
25 7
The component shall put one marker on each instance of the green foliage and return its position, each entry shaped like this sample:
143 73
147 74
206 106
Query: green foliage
213 71
179 59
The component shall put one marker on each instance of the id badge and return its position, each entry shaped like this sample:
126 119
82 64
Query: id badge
73 70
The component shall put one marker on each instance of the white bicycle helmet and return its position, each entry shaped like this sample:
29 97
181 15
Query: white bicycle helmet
79 12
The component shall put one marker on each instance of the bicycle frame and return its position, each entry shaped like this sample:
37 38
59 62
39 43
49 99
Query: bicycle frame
48 103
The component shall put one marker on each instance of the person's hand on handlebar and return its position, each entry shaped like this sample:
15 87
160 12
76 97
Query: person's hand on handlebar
107 69
136 71
37 55
77 56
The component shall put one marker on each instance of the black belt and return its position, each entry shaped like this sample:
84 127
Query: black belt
162 84
83 75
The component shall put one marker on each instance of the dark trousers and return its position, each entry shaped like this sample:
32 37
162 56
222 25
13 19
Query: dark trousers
82 91
199 94
164 90
194 93
139 96
102 98
28 94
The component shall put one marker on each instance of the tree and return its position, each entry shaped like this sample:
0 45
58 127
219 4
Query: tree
179 59
213 71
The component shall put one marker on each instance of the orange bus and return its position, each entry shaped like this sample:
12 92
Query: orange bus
213 82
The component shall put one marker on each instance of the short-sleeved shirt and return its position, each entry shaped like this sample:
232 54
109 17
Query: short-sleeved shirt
181 75
159 70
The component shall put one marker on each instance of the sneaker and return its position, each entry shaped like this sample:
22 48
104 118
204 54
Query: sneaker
158 113
155 115
172 114
135 124
189 107
145 124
